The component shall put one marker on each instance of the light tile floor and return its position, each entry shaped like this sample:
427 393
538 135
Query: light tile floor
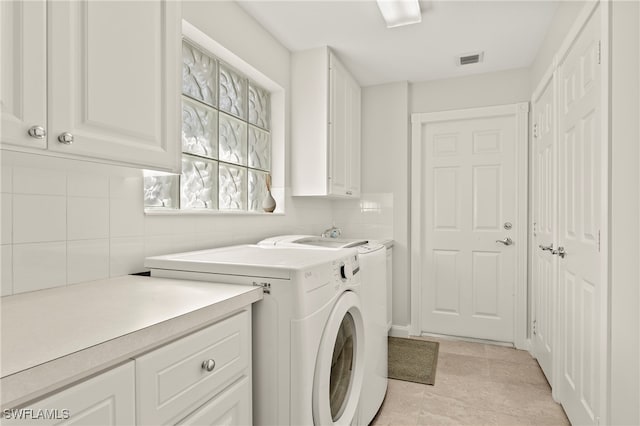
476 384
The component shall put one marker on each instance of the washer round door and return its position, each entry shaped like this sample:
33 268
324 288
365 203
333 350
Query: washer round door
340 364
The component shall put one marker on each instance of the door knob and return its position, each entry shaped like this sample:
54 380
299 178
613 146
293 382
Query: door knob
546 248
65 138
507 241
560 252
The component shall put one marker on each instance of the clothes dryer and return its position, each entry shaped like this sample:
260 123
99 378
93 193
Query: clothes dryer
308 331
373 295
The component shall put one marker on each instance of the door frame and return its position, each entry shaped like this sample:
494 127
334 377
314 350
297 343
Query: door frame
520 112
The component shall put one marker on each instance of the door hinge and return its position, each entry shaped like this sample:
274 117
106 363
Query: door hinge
535 131
534 327
599 53
598 241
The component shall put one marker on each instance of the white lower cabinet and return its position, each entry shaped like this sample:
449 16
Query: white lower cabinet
175 380
107 399
203 378
231 407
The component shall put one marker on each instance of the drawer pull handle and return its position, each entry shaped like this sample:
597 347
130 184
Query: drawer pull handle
208 365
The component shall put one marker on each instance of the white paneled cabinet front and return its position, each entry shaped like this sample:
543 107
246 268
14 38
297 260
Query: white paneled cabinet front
107 399
325 122
23 65
232 407
174 381
112 86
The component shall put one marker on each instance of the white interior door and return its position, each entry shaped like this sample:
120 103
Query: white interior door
468 176
580 286
543 282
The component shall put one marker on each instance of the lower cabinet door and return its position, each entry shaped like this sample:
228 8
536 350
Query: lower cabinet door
176 379
231 407
107 399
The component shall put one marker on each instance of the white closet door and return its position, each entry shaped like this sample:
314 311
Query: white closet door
580 287
544 228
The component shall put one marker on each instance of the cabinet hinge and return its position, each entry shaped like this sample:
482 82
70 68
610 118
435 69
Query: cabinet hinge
598 241
534 327
535 130
599 53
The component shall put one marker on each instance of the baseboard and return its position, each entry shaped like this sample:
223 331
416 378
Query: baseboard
468 339
526 346
399 331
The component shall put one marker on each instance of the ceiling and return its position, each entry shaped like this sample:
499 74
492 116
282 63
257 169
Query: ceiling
508 31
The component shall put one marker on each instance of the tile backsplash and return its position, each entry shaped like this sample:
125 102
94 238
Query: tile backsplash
370 217
68 221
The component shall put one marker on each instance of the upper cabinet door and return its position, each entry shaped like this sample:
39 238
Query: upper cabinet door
339 128
23 59
355 123
114 75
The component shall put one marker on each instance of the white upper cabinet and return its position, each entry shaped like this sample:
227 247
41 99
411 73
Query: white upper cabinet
23 62
112 91
325 125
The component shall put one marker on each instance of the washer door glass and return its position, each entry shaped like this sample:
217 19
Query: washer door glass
342 366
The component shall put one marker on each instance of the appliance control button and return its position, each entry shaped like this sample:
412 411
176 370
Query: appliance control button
346 272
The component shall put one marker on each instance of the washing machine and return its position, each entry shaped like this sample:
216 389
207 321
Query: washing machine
308 331
373 295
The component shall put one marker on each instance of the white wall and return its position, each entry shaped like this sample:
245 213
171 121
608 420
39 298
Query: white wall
497 88
82 221
625 211
382 211
565 15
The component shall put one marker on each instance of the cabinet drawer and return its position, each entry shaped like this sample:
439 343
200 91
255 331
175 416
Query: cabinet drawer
107 399
231 407
172 381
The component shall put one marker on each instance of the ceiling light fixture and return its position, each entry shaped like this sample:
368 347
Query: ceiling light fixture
400 12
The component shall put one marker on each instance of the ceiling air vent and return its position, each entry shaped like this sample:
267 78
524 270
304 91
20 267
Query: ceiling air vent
472 58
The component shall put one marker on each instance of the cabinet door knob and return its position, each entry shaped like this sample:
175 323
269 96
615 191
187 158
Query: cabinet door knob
208 365
65 138
37 132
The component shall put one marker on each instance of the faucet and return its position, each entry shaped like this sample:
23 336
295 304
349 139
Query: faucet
332 232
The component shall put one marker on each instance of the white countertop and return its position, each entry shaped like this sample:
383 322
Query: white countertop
54 337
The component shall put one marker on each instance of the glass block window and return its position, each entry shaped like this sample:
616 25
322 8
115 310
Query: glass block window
226 140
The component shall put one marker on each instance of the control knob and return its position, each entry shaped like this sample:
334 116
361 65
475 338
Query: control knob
346 272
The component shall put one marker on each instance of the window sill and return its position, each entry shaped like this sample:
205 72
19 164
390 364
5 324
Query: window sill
203 212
